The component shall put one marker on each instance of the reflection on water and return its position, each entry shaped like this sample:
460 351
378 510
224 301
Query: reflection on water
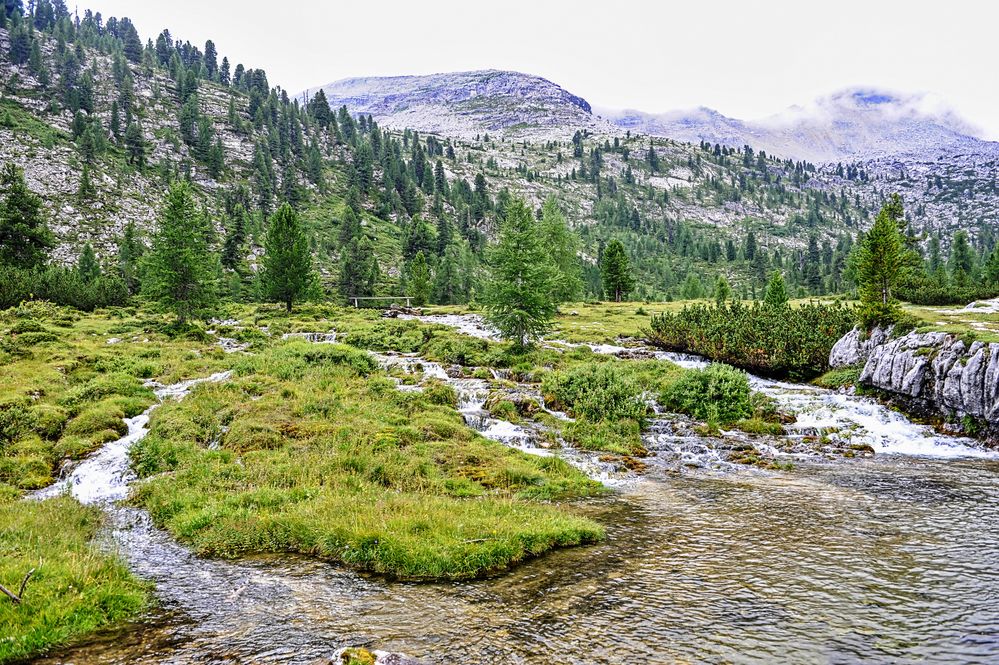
886 560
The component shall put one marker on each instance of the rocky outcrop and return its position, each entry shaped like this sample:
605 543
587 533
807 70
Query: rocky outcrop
935 374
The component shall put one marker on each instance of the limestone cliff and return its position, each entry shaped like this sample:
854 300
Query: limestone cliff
935 374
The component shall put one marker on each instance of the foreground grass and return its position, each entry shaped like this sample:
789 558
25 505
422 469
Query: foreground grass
310 449
75 590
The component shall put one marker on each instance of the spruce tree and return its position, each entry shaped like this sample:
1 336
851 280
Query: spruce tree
881 263
518 297
87 267
130 252
181 272
615 271
287 260
25 239
962 262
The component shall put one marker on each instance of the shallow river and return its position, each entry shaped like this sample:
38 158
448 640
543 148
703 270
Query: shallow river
891 559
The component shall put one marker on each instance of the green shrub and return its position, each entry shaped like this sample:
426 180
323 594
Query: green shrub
105 415
596 391
838 378
778 341
623 437
15 418
59 285
106 385
27 326
49 421
718 393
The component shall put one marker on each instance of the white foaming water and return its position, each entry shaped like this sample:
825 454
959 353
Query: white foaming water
862 420
472 325
104 476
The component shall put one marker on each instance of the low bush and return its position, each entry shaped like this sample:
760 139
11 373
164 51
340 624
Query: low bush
778 341
717 394
62 286
596 391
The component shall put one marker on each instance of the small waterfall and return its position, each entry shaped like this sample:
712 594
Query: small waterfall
104 476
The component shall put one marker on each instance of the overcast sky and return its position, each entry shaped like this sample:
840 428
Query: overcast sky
745 58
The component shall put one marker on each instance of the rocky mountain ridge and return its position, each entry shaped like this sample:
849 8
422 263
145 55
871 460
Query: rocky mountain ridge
865 143
465 104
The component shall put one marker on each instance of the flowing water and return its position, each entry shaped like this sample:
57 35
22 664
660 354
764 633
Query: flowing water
888 559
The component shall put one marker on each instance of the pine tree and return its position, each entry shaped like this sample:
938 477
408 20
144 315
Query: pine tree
562 246
86 266
25 238
358 269
420 284
881 263
813 268
130 252
776 293
135 144
86 190
723 292
518 297
615 271
287 260
991 272
181 273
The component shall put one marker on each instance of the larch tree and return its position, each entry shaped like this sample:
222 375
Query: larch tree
518 297
420 281
181 272
287 260
563 248
615 271
776 294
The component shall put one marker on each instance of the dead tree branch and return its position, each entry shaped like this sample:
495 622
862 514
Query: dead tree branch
17 597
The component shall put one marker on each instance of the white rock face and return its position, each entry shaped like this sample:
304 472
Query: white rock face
935 370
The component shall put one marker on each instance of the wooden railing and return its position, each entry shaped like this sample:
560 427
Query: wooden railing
357 303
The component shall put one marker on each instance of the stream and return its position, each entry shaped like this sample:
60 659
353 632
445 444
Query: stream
891 558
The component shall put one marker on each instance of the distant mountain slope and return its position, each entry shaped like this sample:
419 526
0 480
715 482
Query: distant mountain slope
463 104
850 125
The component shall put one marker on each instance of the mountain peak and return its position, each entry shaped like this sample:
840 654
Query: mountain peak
465 103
